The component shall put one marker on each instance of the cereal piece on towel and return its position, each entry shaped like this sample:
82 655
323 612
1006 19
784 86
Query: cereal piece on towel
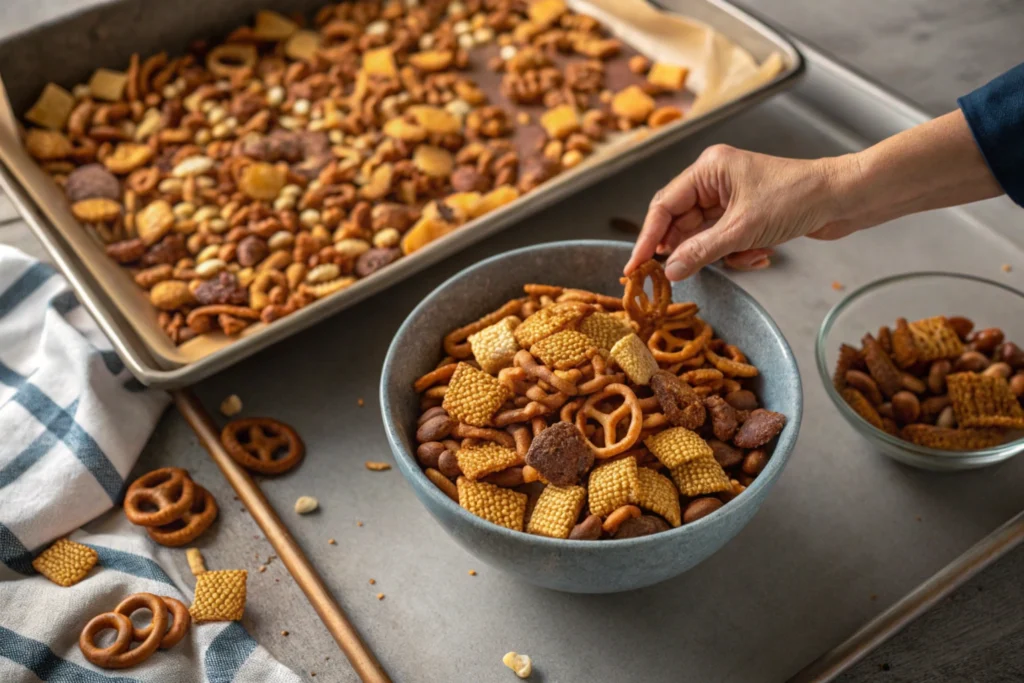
497 505
473 396
65 562
862 406
676 446
563 350
560 454
946 439
219 596
604 329
485 458
556 511
881 367
983 401
904 348
936 339
633 356
548 320
613 485
658 494
700 477
759 428
494 346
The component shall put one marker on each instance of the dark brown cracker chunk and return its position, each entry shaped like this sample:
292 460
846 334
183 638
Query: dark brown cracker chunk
761 427
849 359
90 182
904 350
881 367
561 454
680 403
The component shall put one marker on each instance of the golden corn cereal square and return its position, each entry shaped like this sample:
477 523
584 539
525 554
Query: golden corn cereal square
560 122
495 199
496 504
53 107
65 562
613 485
479 461
495 345
548 320
678 446
983 401
380 62
668 76
635 359
700 477
605 329
219 596
563 350
556 511
935 339
633 104
473 396
946 439
108 85
658 494
544 12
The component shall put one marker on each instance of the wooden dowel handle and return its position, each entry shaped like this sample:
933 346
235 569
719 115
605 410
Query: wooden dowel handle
359 655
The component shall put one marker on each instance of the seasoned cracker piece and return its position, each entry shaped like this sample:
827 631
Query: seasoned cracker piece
881 367
636 360
561 454
219 596
556 511
700 477
676 446
947 439
473 396
65 562
613 485
862 406
658 494
563 350
494 346
904 350
935 339
604 329
849 359
983 401
479 461
497 505
547 321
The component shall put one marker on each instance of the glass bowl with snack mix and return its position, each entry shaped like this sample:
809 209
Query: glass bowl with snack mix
924 366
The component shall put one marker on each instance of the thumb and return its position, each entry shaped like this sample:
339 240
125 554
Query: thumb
702 249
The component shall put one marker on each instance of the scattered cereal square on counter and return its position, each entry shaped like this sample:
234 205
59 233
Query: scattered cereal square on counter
658 494
484 459
65 562
219 596
556 511
498 505
473 396
677 446
613 485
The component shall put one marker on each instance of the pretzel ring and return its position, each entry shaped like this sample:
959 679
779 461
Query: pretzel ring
180 617
524 359
194 522
676 348
610 421
117 655
253 443
648 314
732 367
169 490
455 342
435 376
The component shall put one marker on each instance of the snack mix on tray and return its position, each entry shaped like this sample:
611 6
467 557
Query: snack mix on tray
935 383
249 178
571 414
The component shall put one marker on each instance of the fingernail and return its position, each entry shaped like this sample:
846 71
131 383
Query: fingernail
675 270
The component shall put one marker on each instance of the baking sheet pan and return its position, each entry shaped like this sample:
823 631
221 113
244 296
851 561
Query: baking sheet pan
128 318
844 536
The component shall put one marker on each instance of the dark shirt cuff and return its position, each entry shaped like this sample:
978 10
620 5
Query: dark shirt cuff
995 114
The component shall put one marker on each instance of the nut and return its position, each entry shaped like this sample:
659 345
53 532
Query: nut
755 462
170 295
1008 353
700 507
971 361
937 376
998 370
520 664
435 429
306 504
986 340
231 406
962 326
946 418
906 407
1017 385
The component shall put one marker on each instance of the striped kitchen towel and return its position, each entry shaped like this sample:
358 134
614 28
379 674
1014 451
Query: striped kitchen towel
72 424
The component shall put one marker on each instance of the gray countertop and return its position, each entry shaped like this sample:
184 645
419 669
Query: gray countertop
929 50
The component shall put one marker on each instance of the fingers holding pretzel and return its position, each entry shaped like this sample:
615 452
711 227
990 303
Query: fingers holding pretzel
647 313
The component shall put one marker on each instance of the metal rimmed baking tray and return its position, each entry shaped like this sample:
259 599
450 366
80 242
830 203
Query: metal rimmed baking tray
110 32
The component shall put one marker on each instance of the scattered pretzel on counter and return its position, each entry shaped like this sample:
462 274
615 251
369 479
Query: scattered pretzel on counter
616 417
263 445
174 509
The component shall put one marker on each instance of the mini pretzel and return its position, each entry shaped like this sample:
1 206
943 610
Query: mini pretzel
610 421
194 522
610 303
680 309
435 376
455 342
529 411
648 314
676 348
552 401
180 619
524 359
117 655
702 376
465 431
523 436
201 319
254 442
542 290
732 366
538 425
168 489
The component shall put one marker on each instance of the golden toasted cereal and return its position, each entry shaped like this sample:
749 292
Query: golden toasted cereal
108 85
983 401
947 439
53 107
904 349
668 76
604 329
563 350
849 358
633 104
613 485
496 504
219 596
658 494
700 477
495 345
935 339
481 460
473 396
65 562
560 121
556 511
636 360
549 320
676 446
862 406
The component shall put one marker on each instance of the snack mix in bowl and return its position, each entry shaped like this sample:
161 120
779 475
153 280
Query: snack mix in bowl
246 179
935 383
571 414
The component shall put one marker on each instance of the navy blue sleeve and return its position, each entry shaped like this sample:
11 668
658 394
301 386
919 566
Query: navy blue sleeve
995 113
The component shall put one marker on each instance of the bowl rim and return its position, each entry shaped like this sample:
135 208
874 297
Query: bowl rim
856 420
410 467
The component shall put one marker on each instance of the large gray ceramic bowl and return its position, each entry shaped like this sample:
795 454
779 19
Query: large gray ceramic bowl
584 566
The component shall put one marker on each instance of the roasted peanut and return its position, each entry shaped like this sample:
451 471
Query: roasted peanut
700 507
971 361
911 383
1011 354
1017 384
946 418
906 407
448 464
937 376
865 384
435 429
962 326
998 370
428 453
755 462
986 340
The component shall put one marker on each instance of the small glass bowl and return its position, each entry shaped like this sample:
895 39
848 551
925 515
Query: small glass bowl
914 296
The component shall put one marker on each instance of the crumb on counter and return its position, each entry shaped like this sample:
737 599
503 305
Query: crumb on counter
373 581
472 572
377 466
380 596
838 286
1007 268
360 402
231 406
331 541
